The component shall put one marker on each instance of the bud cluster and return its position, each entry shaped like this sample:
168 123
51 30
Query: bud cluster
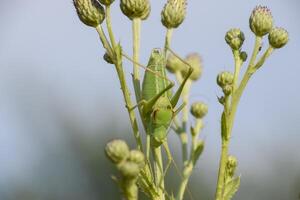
173 13
225 81
194 60
128 162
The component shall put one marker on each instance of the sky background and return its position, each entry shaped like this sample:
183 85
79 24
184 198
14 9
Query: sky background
60 102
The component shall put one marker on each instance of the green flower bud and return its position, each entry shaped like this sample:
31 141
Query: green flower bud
173 13
129 169
90 12
278 37
224 78
243 56
106 2
235 38
261 21
231 165
107 58
117 151
199 110
137 157
195 62
227 90
135 8
174 64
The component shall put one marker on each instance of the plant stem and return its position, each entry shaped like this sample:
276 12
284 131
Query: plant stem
158 167
136 29
168 40
130 189
188 169
109 26
104 40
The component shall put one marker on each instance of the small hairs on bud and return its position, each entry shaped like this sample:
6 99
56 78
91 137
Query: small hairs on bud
173 13
261 21
278 37
90 12
135 8
235 38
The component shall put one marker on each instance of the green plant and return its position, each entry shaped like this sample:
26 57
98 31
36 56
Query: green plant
156 105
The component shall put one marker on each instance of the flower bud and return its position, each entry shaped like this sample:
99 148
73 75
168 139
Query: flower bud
227 90
261 21
231 165
173 13
135 8
278 37
199 110
235 38
174 64
195 62
243 56
117 151
90 12
106 2
129 169
137 157
224 78
107 58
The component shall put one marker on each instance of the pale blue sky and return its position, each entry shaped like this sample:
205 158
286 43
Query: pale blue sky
51 64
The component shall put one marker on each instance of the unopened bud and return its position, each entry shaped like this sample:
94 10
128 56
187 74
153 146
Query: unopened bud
227 90
129 169
135 8
173 13
278 37
224 78
243 56
117 151
235 38
90 12
137 157
194 61
231 165
261 21
107 58
106 2
199 109
174 64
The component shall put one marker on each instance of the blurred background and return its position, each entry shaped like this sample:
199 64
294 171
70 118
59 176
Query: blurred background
60 103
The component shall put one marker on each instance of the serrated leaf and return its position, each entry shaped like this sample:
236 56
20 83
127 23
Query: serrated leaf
231 188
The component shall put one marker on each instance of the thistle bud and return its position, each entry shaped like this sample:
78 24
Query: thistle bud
235 38
106 2
174 64
90 12
137 157
107 58
195 62
173 13
278 37
243 56
199 110
227 90
261 21
129 169
135 8
231 165
117 151
224 78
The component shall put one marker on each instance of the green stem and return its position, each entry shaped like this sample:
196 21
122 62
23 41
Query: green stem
109 26
159 175
237 68
168 40
104 40
136 29
188 169
130 189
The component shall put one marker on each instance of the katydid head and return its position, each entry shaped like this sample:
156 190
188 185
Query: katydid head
162 112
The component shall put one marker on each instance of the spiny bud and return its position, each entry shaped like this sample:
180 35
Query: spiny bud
278 37
261 21
227 90
137 157
243 56
195 62
235 38
90 12
199 110
129 169
231 165
224 78
135 8
174 64
117 151
106 2
107 58
173 13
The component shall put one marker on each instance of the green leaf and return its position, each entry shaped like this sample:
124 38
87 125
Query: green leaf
231 188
